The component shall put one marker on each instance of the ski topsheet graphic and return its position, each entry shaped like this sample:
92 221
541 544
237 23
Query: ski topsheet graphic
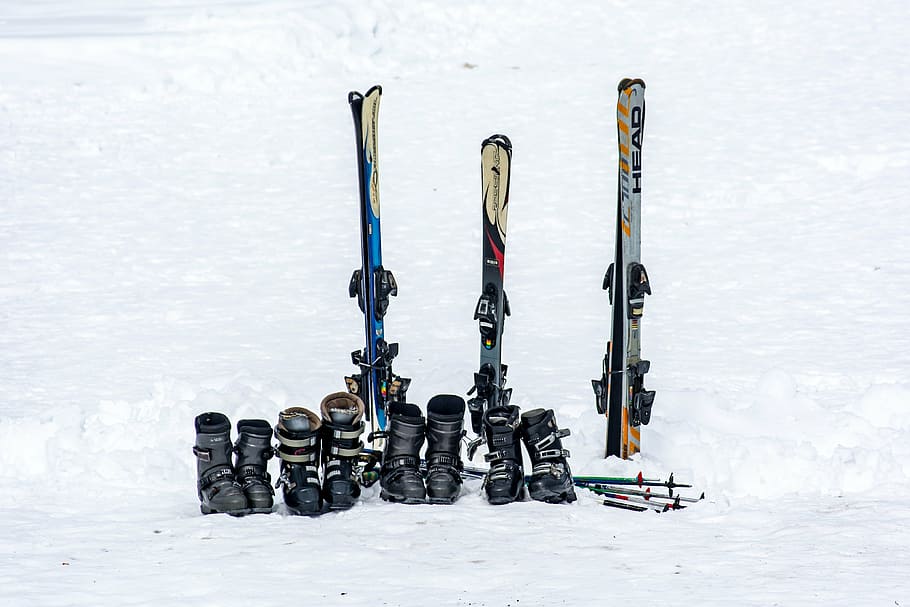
493 306
372 284
620 392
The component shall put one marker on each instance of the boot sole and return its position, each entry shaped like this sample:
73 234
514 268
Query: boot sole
448 501
341 504
300 512
501 501
556 498
400 499
261 510
207 510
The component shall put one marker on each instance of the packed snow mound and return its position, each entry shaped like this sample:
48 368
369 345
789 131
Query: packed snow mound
779 441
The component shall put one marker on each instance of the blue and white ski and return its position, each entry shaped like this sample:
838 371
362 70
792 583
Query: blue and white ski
372 284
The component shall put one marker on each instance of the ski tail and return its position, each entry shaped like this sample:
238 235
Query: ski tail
620 393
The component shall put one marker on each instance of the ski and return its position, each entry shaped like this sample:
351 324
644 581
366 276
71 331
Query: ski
674 504
624 505
371 284
670 483
620 392
493 306
646 494
599 481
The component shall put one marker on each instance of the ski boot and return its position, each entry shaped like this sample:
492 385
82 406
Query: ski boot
341 446
298 448
445 427
399 476
253 452
218 491
551 477
504 483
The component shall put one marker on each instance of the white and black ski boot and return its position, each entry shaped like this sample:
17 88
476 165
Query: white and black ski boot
218 491
551 477
298 449
400 476
504 482
342 425
445 427
253 451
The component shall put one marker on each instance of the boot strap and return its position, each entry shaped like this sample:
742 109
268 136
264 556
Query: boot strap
253 472
501 421
298 458
401 461
551 438
442 460
552 468
221 474
293 442
343 433
285 477
249 475
502 470
552 453
346 451
499 456
204 455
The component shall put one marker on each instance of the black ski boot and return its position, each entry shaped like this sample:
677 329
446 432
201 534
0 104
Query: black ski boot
341 446
551 477
298 448
445 427
217 489
253 451
504 482
400 474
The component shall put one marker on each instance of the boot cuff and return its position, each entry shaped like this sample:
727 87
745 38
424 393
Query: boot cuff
342 404
405 410
256 427
446 404
212 423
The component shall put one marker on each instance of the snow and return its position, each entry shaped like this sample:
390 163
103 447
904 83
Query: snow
178 222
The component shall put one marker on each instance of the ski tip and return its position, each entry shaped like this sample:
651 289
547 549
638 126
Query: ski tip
497 139
377 89
640 479
354 96
627 82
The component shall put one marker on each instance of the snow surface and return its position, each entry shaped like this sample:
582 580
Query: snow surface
178 221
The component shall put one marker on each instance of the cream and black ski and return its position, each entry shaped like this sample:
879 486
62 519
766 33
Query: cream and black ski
493 306
620 392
